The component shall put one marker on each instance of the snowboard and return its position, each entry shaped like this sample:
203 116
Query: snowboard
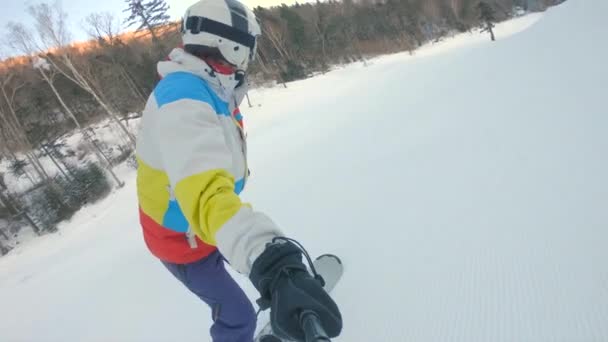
331 269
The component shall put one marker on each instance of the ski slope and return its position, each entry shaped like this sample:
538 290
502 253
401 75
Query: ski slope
465 189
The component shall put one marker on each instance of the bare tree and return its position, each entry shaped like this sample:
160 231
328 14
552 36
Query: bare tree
52 41
21 39
14 130
16 139
273 31
4 209
104 28
48 74
278 37
14 210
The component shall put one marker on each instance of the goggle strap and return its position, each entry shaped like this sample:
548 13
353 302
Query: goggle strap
202 24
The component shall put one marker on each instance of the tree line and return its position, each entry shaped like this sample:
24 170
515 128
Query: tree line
112 74
55 86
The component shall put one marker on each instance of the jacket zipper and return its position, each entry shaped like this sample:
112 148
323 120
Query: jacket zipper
190 236
243 147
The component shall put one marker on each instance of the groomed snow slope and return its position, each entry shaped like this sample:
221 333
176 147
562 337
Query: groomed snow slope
466 192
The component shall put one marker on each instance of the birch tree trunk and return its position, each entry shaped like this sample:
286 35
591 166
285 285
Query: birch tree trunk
19 137
82 82
98 152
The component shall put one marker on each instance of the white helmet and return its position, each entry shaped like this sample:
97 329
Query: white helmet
221 26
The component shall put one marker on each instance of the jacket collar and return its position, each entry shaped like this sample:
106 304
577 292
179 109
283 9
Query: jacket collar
181 61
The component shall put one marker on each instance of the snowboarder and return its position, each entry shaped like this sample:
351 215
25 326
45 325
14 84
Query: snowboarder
191 168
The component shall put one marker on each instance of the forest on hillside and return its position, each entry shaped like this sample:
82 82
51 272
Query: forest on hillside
55 87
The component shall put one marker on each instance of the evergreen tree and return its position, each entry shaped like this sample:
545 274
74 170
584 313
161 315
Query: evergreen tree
148 15
296 27
487 16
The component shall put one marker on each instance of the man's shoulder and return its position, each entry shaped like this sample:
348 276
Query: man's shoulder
180 86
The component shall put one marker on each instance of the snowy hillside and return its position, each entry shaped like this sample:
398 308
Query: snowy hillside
464 187
106 133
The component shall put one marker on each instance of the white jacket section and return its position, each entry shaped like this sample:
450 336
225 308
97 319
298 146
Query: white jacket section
189 133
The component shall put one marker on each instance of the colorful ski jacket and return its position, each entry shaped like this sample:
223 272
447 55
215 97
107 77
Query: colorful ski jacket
192 165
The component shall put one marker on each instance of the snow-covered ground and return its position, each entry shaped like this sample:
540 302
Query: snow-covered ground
76 151
464 187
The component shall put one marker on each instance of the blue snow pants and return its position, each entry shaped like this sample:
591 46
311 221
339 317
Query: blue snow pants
234 318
